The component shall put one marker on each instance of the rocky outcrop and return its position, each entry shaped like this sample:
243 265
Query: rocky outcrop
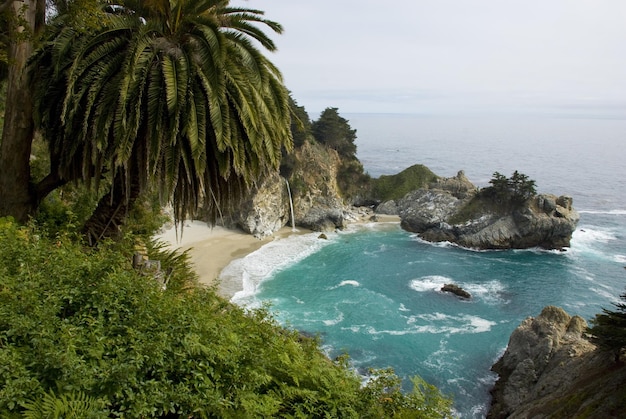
551 370
318 205
453 191
531 224
543 221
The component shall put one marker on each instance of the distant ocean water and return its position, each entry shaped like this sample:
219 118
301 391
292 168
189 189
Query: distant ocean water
373 291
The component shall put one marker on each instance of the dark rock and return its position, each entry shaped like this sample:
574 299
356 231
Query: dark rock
456 290
322 237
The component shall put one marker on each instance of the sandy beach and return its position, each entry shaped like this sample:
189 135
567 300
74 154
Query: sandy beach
211 249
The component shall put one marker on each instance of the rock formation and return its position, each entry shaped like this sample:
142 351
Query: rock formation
551 370
317 203
439 213
456 290
266 210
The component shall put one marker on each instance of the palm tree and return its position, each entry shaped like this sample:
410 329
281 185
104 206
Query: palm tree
168 92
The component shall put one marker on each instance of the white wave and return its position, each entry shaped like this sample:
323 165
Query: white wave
353 328
443 244
587 239
604 212
619 258
344 283
439 323
403 308
334 321
606 294
252 269
490 292
587 235
429 283
381 249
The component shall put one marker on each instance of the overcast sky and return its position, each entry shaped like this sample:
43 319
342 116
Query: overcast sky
452 56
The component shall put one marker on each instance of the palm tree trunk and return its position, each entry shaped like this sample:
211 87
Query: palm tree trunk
109 216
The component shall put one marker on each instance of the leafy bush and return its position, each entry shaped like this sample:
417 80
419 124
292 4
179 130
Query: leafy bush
83 333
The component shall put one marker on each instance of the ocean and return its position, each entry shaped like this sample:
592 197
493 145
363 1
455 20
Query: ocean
372 291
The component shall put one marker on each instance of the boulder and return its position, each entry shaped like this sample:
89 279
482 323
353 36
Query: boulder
456 290
388 207
317 203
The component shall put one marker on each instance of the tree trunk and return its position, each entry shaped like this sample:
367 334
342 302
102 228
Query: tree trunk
110 214
17 197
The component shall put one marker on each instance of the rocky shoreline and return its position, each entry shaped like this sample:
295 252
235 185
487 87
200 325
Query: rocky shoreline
437 212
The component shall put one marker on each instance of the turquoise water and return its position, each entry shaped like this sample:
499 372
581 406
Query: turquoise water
373 291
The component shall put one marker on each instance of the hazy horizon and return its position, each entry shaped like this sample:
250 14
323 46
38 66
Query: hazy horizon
562 57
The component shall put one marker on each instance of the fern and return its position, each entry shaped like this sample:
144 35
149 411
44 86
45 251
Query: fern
73 405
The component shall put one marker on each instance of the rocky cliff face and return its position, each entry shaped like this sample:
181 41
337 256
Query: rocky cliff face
550 370
317 203
543 221
267 208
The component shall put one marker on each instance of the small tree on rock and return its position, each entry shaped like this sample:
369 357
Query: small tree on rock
514 190
609 328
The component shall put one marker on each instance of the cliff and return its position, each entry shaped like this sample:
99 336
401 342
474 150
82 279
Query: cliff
317 203
551 370
451 209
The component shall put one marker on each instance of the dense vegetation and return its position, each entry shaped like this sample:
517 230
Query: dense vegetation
509 191
80 329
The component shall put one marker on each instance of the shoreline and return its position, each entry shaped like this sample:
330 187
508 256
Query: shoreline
213 248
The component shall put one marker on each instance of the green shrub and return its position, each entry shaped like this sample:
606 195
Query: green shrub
81 331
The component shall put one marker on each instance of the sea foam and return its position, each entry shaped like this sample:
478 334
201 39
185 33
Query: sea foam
248 272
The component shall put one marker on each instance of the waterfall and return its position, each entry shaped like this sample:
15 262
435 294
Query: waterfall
293 220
